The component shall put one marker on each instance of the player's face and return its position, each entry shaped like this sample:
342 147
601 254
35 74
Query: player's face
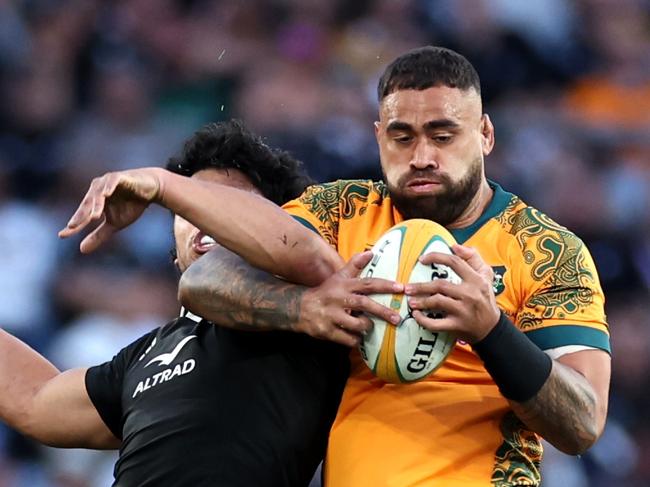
191 243
431 144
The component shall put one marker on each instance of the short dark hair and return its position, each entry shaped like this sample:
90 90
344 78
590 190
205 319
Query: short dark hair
426 67
230 145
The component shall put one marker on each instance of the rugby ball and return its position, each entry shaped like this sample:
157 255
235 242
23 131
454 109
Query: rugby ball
407 352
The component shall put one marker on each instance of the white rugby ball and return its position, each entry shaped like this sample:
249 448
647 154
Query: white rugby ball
407 352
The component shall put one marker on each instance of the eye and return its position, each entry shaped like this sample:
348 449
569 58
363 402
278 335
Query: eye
442 139
402 139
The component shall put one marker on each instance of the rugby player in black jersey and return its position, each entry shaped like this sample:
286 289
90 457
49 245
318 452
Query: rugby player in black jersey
190 403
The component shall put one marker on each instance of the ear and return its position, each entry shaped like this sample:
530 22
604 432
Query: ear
487 134
174 255
377 125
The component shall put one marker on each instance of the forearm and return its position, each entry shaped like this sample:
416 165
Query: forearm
556 400
253 227
565 411
225 289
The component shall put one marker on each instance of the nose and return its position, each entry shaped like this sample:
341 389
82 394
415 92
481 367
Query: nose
424 155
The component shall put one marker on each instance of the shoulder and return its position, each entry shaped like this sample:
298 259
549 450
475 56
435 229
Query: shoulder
355 188
544 244
345 196
556 268
162 339
137 350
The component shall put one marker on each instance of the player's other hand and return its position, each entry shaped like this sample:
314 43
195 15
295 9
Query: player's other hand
116 200
335 309
469 309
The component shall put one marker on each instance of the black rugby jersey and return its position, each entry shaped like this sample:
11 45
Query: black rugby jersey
196 404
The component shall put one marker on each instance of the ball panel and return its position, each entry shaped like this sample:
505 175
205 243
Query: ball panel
414 241
419 350
384 264
407 352
386 367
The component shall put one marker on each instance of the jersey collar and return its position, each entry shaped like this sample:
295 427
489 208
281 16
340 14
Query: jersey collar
500 200
188 314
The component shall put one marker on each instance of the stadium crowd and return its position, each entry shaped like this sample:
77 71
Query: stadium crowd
90 86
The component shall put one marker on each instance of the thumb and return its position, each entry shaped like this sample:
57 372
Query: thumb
356 264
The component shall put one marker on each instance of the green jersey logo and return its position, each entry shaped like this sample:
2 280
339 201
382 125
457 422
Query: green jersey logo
497 283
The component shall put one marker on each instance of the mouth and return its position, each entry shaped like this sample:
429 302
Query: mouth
423 185
202 243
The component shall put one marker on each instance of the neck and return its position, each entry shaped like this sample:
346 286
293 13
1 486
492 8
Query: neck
476 207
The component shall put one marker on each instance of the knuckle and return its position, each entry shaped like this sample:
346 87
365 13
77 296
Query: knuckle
320 330
365 283
488 272
352 328
430 302
366 303
352 301
366 324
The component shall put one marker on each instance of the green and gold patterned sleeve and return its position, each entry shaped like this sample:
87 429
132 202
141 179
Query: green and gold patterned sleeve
318 208
564 302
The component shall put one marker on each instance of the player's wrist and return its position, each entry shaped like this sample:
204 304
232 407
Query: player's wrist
519 368
495 320
302 319
162 177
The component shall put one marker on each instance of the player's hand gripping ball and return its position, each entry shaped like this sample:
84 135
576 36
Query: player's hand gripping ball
407 352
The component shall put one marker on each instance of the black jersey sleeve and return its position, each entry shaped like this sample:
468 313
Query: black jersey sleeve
104 382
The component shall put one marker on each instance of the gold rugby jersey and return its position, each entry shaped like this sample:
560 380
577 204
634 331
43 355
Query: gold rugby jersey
455 428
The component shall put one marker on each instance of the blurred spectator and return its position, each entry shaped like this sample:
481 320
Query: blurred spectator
615 96
114 307
28 259
89 86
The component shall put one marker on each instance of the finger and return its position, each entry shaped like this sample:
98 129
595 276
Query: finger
436 304
83 215
356 264
356 325
376 285
474 259
447 324
358 302
105 189
98 206
97 237
79 219
455 263
437 286
342 336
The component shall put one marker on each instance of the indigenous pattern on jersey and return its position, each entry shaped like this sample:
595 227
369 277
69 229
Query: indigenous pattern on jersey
454 428
200 405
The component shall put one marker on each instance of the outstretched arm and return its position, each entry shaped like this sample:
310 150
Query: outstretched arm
253 227
49 406
225 289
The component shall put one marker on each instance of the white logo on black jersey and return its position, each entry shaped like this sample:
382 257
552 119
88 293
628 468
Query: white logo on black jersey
168 358
153 342
170 372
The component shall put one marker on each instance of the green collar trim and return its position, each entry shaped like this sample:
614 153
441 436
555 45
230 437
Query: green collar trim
499 202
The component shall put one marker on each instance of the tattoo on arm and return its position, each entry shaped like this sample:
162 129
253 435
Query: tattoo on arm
563 411
223 288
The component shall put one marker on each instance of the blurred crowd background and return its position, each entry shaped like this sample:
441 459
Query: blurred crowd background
89 86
